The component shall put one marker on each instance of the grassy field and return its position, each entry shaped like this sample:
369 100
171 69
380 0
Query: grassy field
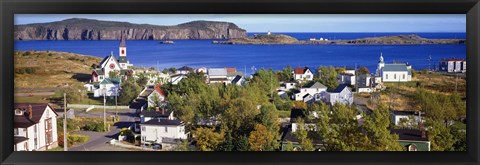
31 99
45 69
401 94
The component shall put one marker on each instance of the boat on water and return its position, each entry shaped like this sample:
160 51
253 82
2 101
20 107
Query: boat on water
167 42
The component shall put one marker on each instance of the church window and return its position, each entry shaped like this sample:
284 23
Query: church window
123 51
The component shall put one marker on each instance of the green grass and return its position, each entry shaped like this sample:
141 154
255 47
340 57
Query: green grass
56 149
31 99
283 114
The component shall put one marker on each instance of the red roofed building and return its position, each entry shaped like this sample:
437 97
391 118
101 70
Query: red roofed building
157 97
453 65
302 74
229 70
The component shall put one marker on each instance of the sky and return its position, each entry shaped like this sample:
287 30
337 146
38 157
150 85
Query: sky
285 22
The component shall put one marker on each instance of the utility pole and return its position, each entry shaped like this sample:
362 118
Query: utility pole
65 147
116 110
104 109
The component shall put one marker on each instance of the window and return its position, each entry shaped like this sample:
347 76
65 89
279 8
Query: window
308 76
36 143
143 128
386 76
144 138
15 131
394 76
166 129
412 147
403 76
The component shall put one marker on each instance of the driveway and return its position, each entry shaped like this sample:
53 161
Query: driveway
98 140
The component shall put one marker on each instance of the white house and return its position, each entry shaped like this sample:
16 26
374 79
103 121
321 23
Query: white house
393 72
218 75
302 74
313 90
453 65
111 85
346 78
406 118
162 131
34 127
365 84
156 97
342 94
175 79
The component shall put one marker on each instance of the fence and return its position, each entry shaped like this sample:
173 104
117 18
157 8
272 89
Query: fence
85 106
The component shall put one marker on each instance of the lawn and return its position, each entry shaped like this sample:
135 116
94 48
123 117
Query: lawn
283 114
56 149
31 99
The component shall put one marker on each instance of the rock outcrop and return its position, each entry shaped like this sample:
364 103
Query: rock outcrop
88 29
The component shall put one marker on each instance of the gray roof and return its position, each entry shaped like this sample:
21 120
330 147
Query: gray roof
122 59
339 89
111 81
395 67
164 122
236 79
99 71
233 74
217 71
315 85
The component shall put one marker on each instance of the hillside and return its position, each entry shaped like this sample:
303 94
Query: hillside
89 29
263 39
47 69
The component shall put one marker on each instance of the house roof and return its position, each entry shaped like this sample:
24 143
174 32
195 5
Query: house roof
38 109
18 139
105 61
233 74
138 103
339 88
111 81
153 113
315 85
229 70
452 60
236 79
395 67
300 70
99 71
407 113
288 136
217 72
409 134
122 59
163 122
159 90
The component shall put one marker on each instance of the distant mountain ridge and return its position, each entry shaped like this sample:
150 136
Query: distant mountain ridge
90 29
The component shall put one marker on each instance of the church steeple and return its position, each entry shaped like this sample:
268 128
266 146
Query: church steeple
381 58
123 46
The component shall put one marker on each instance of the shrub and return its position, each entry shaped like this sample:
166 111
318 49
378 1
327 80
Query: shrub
97 127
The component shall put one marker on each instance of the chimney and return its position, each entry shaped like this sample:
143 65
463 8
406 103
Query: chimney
157 109
420 125
30 112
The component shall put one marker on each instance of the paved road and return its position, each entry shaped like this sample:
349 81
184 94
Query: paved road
98 141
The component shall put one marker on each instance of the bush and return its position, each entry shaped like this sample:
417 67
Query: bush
72 139
97 127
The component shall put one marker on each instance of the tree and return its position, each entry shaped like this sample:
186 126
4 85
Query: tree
207 139
376 129
285 74
242 144
114 74
260 138
227 144
289 147
156 101
239 117
327 76
130 91
75 93
363 70
440 137
301 134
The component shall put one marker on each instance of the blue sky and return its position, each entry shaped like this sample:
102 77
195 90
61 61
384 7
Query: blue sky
285 22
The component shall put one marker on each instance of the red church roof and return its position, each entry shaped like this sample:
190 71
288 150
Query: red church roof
158 88
300 70
229 70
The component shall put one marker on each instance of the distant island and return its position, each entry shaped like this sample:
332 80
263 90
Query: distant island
89 29
412 39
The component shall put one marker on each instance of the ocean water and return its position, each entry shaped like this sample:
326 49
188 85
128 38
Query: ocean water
201 53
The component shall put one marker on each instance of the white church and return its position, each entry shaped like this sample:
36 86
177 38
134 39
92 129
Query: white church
393 72
111 64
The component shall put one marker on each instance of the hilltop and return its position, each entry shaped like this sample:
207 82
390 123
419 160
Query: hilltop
90 29
384 40
46 69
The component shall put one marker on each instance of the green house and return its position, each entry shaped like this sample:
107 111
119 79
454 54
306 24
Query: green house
413 139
